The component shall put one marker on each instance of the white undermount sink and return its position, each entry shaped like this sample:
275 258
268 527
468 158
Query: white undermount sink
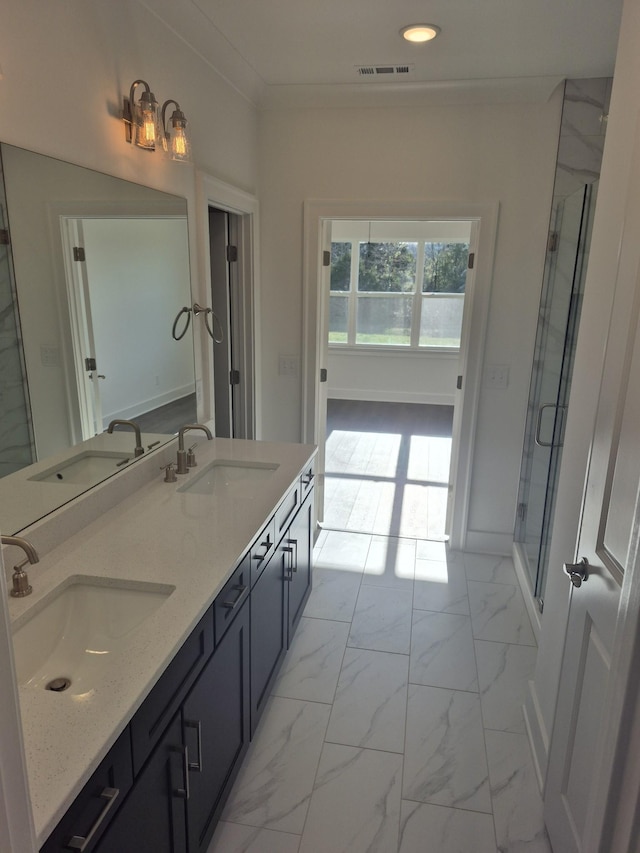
221 475
89 466
73 633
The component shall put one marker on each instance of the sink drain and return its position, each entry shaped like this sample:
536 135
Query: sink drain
59 685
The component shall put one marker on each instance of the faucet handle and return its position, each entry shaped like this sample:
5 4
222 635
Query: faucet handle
191 456
169 473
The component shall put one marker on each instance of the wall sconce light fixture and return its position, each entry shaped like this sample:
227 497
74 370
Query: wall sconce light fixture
175 139
141 118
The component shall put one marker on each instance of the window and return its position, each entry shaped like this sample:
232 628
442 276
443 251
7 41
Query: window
398 292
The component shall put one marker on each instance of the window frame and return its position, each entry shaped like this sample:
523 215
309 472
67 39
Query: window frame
417 295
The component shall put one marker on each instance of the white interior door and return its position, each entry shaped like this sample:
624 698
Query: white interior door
582 784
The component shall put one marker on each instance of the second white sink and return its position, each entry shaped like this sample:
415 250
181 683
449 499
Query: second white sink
222 474
74 632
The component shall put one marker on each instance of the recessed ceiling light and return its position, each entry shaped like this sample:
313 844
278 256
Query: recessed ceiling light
419 32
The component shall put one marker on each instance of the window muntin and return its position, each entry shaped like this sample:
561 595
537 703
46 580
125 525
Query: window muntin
398 293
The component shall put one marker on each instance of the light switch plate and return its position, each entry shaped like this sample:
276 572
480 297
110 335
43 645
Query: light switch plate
496 376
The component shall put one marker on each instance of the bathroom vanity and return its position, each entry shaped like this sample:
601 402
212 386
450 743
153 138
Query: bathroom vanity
181 600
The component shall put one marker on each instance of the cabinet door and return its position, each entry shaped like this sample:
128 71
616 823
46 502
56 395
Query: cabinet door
96 805
268 632
152 819
215 720
298 576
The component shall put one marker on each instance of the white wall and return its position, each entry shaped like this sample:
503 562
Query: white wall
399 378
138 273
471 153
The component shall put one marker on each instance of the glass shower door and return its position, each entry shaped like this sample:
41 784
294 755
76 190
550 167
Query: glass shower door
551 379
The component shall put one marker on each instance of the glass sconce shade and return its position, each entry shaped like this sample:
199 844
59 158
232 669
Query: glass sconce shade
175 138
141 118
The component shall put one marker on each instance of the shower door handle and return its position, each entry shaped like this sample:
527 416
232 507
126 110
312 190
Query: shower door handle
537 438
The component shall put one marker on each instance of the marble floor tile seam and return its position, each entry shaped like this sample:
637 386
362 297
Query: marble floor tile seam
439 539
365 748
455 808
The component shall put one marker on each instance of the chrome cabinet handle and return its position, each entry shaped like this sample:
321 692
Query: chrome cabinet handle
196 724
267 544
183 792
80 842
578 573
240 588
286 549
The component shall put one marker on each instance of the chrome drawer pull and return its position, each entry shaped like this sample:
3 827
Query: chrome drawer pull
79 842
195 724
231 604
183 792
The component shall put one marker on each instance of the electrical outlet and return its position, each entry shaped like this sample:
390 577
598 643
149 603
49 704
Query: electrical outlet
496 376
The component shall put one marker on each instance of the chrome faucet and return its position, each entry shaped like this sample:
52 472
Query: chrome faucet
139 448
181 465
21 586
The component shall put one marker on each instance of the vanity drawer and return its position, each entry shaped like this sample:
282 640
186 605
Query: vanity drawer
97 803
287 510
262 550
158 708
307 478
231 597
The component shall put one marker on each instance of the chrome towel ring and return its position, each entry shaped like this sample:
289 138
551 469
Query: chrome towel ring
182 311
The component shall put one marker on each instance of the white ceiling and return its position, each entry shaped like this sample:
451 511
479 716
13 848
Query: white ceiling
273 49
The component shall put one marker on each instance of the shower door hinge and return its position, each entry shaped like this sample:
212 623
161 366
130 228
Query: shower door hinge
552 241
522 511
326 259
4 237
234 377
471 261
78 253
232 254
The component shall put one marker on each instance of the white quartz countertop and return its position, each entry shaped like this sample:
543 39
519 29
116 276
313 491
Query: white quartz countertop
158 534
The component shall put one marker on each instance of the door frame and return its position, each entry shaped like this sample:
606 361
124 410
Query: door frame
316 212
212 192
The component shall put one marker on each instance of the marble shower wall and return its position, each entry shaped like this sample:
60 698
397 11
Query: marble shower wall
16 442
582 132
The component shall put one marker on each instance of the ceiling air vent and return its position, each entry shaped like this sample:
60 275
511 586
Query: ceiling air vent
384 70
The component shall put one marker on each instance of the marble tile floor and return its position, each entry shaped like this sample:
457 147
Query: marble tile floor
396 723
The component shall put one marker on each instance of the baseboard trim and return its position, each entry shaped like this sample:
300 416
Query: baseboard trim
391 396
484 542
535 617
537 734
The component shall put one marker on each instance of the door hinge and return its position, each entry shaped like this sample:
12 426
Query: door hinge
232 254
78 253
522 511
326 259
471 261
4 237
541 605
323 374
459 383
234 377
90 364
552 241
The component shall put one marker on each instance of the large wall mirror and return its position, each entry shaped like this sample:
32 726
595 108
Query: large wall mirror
93 271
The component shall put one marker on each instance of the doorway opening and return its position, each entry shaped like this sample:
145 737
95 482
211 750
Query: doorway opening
228 227
395 348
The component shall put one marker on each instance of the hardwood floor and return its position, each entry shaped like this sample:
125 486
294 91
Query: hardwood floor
387 468
169 418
